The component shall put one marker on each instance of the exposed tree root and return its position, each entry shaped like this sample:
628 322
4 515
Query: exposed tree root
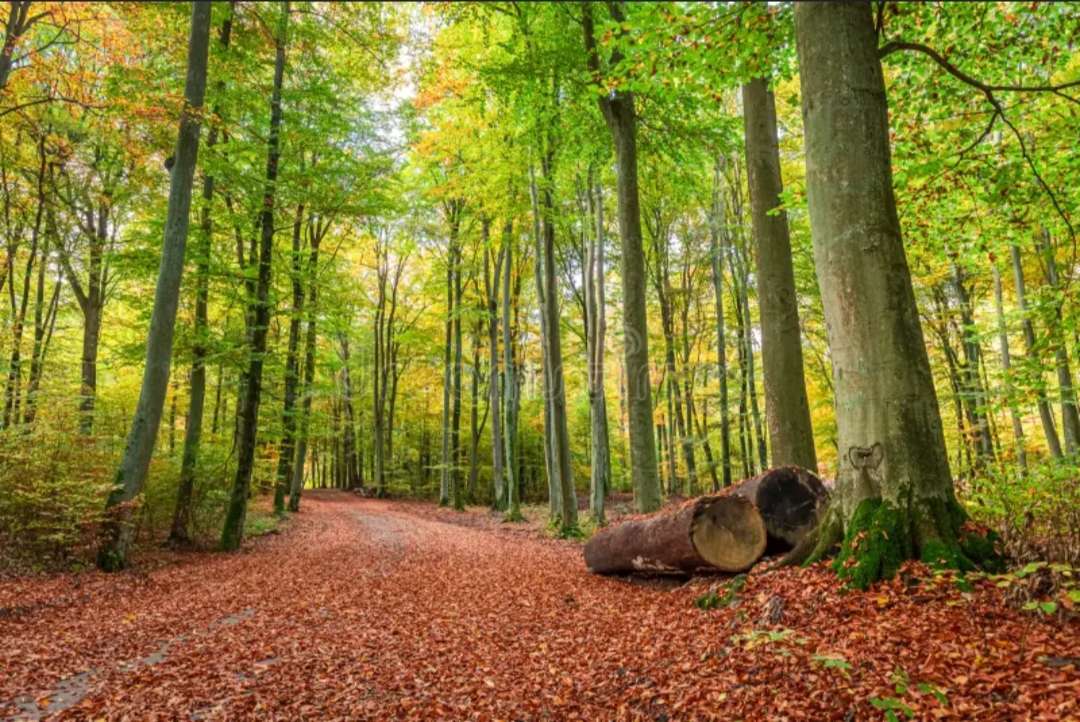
880 536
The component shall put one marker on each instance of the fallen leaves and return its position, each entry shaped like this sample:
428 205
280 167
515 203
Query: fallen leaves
369 609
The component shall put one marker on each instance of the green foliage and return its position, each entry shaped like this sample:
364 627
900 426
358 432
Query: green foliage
829 662
725 598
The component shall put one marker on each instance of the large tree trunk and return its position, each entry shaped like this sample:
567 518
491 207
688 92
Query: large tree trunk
723 533
787 410
621 119
117 532
233 531
894 496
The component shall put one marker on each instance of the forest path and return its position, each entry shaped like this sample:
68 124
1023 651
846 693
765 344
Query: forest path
369 609
362 608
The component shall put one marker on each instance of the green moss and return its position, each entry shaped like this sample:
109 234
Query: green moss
947 541
876 542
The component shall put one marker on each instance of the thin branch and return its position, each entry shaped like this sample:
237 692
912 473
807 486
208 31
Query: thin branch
987 88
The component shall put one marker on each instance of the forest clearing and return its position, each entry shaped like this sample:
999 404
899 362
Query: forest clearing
539 360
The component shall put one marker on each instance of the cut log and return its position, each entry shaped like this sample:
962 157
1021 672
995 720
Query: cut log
710 532
790 500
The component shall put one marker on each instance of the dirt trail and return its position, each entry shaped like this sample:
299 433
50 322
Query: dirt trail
367 609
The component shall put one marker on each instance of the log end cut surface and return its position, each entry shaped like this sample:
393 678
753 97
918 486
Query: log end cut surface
728 533
790 500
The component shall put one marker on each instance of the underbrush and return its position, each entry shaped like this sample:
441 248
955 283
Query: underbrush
52 491
1037 515
53 486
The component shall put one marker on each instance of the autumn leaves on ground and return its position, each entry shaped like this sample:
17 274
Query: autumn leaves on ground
366 609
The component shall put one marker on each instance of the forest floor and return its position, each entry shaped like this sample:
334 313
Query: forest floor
370 609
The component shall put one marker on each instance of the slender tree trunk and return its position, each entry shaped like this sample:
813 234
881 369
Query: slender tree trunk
353 463
446 463
551 466
1045 414
44 323
474 416
307 389
596 335
14 386
456 481
233 532
894 497
511 389
787 409
718 235
498 452
286 454
1070 417
117 532
557 391
1006 366
618 111
975 393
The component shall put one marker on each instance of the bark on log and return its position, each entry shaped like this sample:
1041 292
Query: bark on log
790 500
711 532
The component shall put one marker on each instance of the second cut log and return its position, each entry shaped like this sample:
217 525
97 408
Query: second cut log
723 533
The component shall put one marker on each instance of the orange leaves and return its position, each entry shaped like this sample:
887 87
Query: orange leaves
378 610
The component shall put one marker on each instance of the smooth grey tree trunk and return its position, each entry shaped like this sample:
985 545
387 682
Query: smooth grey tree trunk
131 474
510 386
894 481
498 452
551 467
618 111
596 339
179 533
787 409
445 463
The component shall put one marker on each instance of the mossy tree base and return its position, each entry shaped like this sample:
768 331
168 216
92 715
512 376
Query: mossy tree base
880 536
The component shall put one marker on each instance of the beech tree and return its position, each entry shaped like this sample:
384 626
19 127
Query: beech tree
140 443
894 498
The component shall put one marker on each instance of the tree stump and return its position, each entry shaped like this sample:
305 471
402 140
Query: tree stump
723 533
